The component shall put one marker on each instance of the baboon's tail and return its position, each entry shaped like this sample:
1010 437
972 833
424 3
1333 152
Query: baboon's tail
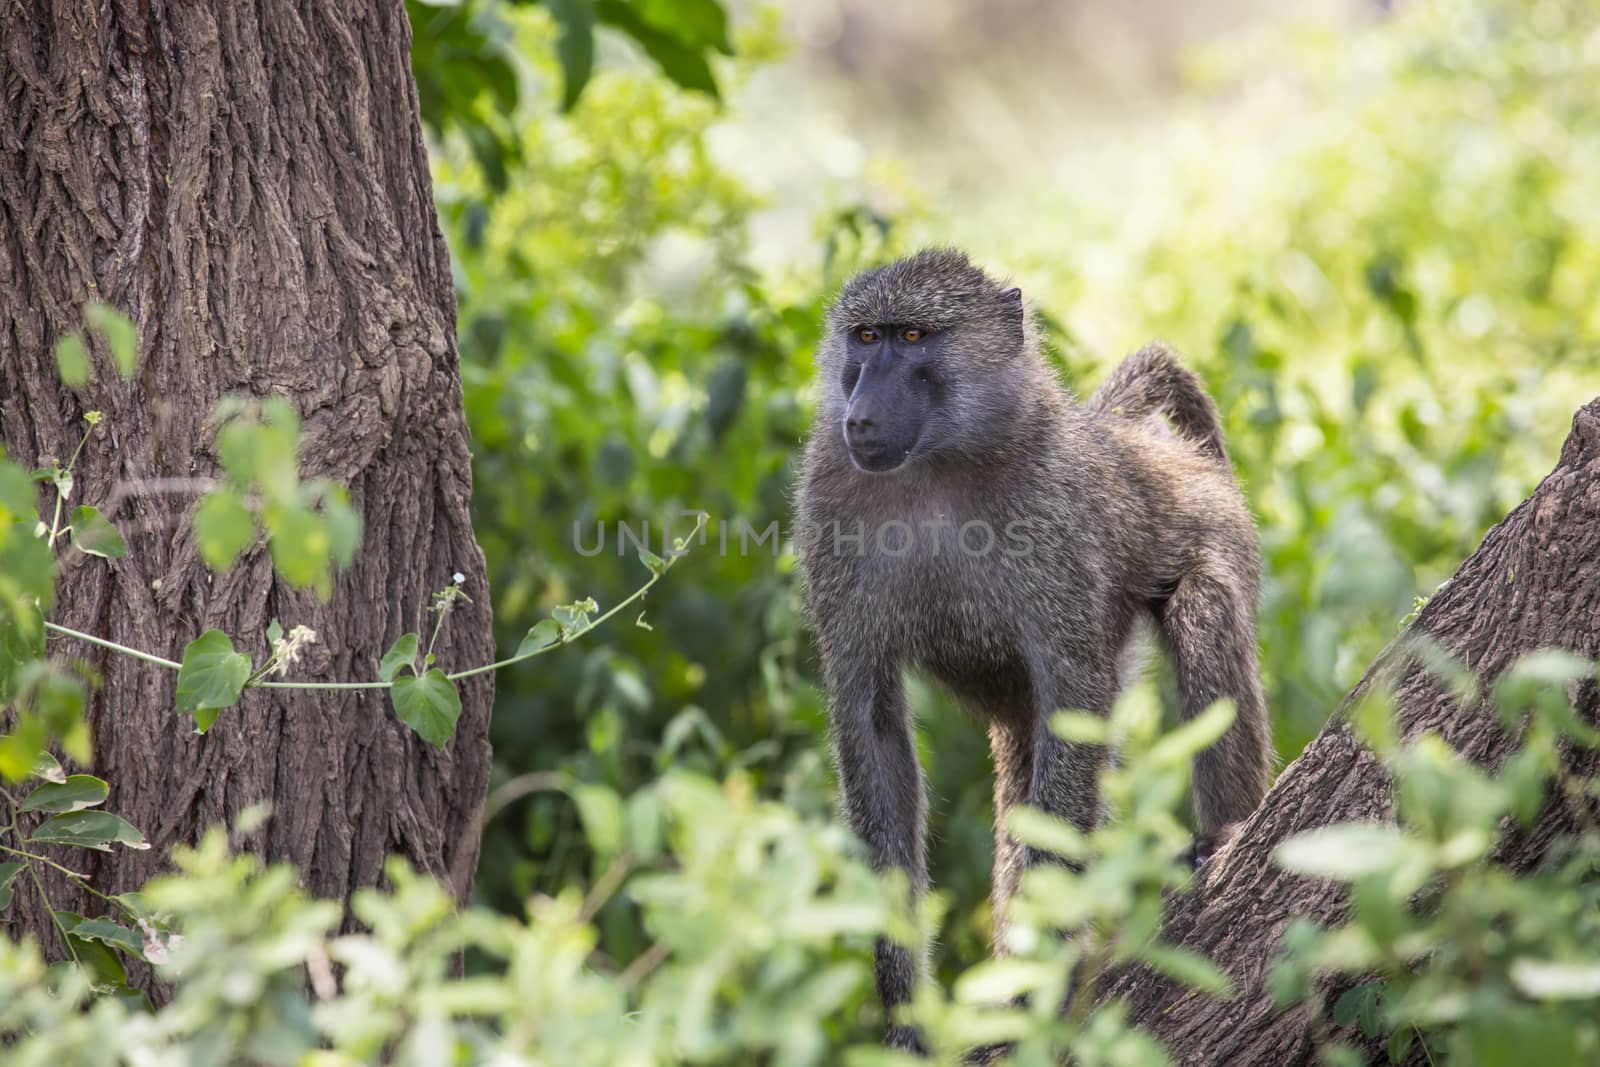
1153 382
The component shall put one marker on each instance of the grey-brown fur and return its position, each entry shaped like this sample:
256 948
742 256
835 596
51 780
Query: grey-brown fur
1130 522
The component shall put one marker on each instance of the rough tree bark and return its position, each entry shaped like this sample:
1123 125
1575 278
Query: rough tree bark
250 184
1534 583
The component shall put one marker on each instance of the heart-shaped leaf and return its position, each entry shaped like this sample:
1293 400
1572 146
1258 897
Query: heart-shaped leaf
657 565
543 634
211 677
401 654
94 535
428 704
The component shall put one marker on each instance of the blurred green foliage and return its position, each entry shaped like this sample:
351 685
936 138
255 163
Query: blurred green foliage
1485 966
622 364
465 62
1383 256
760 920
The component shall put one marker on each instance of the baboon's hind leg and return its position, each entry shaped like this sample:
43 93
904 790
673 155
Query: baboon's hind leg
1011 747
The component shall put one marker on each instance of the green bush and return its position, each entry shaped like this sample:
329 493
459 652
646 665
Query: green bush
760 919
1485 966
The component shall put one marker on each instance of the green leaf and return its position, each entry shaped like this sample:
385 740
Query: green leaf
224 527
1556 979
603 817
644 824
17 500
344 526
300 546
1190 968
459 52
684 64
1080 726
1193 737
429 705
998 981
575 46
8 874
542 634
119 335
237 449
1057 836
58 699
72 360
1359 1004
657 565
1400 1043
211 677
574 617
105 969
21 643
1344 852
109 933
274 632
94 535
697 23
29 570
1340 1055
89 829
76 793
403 653
48 767
21 749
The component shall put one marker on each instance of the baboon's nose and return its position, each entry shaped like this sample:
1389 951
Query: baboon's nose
855 425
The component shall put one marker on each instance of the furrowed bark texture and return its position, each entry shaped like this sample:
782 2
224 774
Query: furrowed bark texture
1534 583
249 183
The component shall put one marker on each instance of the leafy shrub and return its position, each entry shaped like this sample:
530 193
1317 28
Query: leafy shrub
762 921
1482 964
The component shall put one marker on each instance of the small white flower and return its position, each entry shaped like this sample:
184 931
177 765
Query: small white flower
459 577
158 949
287 649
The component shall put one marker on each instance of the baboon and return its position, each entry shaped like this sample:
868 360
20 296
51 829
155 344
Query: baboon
962 515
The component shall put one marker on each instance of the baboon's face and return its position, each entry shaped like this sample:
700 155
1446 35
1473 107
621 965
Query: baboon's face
894 384
930 353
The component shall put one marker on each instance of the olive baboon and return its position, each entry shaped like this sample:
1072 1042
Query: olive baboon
962 515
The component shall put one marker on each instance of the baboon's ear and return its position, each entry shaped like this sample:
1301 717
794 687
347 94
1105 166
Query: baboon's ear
1011 300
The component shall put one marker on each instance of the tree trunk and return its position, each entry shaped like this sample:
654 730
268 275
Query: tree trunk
249 183
1534 583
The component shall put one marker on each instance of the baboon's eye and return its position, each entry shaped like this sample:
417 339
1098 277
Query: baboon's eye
867 335
912 335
